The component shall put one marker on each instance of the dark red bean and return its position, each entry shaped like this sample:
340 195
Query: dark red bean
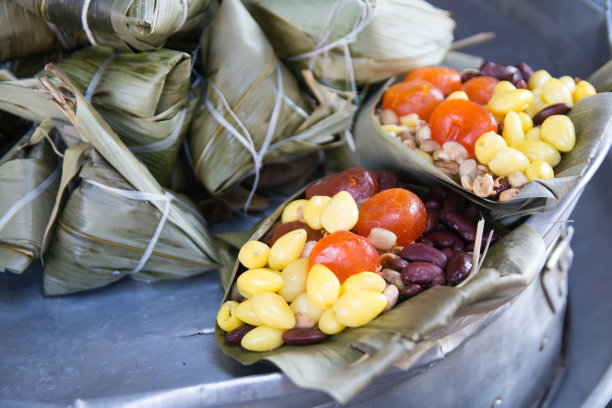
465 229
471 212
358 182
423 273
459 267
502 185
469 74
303 336
278 230
433 218
397 264
410 290
447 251
432 204
525 69
418 252
556 109
453 203
500 128
501 72
446 239
521 84
236 335
386 180
437 193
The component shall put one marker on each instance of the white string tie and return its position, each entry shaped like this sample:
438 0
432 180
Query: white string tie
367 13
142 196
96 78
183 17
85 24
30 196
164 143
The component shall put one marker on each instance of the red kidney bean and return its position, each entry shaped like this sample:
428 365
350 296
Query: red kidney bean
418 252
410 290
236 335
453 203
521 84
459 267
502 185
500 128
386 180
358 182
397 264
447 251
425 274
303 336
556 109
437 193
464 228
526 70
471 212
432 204
501 72
469 74
278 230
433 218
445 239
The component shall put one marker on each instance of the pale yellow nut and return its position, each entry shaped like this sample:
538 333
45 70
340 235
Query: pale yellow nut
357 308
569 82
486 146
245 312
539 170
329 324
411 120
583 89
322 286
503 87
226 318
302 304
290 212
425 155
363 281
536 150
340 214
287 249
526 122
294 279
395 129
559 131
254 281
533 134
507 160
313 209
536 104
513 128
516 101
553 92
263 339
273 310
254 254
382 239
537 79
458 95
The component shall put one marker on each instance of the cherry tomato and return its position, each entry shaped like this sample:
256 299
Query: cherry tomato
461 121
345 254
480 89
397 210
358 182
445 79
417 96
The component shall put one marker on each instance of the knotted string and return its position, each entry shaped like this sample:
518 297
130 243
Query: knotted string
85 24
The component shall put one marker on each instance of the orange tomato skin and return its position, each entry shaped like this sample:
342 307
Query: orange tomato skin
417 96
461 121
397 210
345 254
480 89
445 79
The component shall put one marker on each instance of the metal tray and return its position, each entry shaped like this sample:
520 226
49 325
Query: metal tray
139 344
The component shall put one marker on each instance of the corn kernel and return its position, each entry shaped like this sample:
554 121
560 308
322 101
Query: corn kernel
537 79
363 281
357 308
287 249
245 312
340 213
313 209
302 304
486 146
458 95
294 279
260 280
226 318
322 286
537 150
526 122
558 130
516 100
411 120
395 129
329 323
503 87
263 339
425 155
513 128
273 310
533 134
539 170
507 160
583 89
553 92
254 254
569 82
290 212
